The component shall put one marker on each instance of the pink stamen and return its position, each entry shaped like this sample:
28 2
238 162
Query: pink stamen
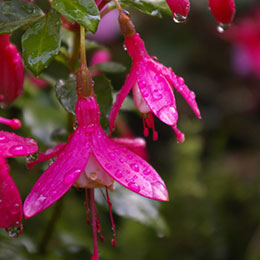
13 123
87 205
112 219
179 135
99 227
146 130
150 123
91 194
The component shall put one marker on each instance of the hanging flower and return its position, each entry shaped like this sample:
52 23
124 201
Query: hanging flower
12 145
152 85
11 71
180 9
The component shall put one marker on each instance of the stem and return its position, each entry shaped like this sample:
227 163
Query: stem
91 193
50 227
118 6
83 61
75 50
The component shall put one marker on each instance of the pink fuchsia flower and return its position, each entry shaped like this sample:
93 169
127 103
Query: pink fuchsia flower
11 71
91 160
99 56
152 85
180 9
245 37
223 10
12 145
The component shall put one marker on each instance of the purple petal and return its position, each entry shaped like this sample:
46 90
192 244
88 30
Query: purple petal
127 168
60 176
158 93
11 211
12 145
130 81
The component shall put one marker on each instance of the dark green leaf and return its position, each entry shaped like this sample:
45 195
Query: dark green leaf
109 67
66 93
83 12
15 14
91 45
41 42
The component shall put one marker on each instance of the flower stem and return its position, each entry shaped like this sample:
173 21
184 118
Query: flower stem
83 61
118 6
47 235
75 50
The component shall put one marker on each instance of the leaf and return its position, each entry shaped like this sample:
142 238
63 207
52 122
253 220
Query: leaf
66 93
83 12
41 42
91 45
109 67
15 14
131 205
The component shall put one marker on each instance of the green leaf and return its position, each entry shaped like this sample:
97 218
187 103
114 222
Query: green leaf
41 42
109 67
92 45
66 93
131 205
15 14
83 12
103 90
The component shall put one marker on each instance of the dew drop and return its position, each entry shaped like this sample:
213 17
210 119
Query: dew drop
146 171
119 174
192 95
18 150
157 95
71 176
75 125
14 232
159 191
221 27
129 156
142 83
93 176
108 166
180 80
135 167
154 12
178 18
134 187
112 156
121 160
145 93
32 157
124 47
3 139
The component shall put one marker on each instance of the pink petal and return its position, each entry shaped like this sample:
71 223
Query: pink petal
158 94
179 7
60 176
10 201
130 80
47 155
12 145
127 168
131 142
179 84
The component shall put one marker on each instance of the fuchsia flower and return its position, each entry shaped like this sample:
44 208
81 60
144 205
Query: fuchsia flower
180 9
152 86
223 10
91 160
11 71
12 145
99 56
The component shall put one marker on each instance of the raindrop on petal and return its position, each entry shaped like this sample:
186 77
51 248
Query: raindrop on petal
221 27
178 18
72 176
119 174
18 150
135 167
134 187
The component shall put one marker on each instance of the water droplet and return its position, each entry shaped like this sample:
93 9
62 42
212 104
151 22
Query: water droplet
135 167
180 80
75 125
155 58
112 156
15 209
41 198
178 18
192 95
93 176
0 201
159 191
121 160
18 150
3 139
146 171
32 157
71 176
221 27
157 95
108 166
129 156
154 12
142 84
119 174
15 231
145 93
124 46
134 187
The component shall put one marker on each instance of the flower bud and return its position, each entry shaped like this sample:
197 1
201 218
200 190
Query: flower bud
11 71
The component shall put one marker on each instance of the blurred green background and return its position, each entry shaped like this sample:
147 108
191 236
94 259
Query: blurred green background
213 177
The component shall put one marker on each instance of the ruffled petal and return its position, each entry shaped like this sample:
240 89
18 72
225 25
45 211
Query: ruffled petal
157 93
11 210
12 145
47 155
130 81
127 168
60 176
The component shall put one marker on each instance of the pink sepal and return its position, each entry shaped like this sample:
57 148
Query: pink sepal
127 168
12 145
179 7
10 201
60 176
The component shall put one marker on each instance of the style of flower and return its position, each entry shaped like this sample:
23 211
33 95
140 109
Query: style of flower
11 71
92 160
12 145
152 85
180 9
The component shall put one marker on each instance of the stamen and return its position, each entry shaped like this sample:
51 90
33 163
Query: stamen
150 123
87 205
146 130
99 227
179 135
91 194
13 123
111 219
